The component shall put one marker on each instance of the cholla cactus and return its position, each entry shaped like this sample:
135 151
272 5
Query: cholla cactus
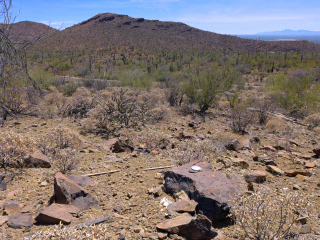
268 215
14 148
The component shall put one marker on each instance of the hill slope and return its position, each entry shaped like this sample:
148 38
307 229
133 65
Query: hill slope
106 30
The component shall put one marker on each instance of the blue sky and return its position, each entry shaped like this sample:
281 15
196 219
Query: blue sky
220 16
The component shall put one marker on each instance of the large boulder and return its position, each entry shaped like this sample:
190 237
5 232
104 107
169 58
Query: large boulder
211 189
68 192
193 228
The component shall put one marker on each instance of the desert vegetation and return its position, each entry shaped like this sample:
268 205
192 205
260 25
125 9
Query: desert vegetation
114 111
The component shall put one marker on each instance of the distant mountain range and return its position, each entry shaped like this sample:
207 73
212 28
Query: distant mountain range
289 32
113 30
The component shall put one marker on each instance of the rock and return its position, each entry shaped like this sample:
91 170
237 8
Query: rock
193 124
239 162
309 165
122 145
266 160
305 229
238 182
180 196
184 135
293 173
67 192
3 220
11 207
301 220
282 144
233 145
284 154
159 176
30 207
3 186
44 184
155 191
201 136
81 180
301 177
162 236
2 176
256 176
183 206
274 170
211 189
56 213
295 187
246 145
24 220
301 155
107 146
192 227
269 148
317 151
37 160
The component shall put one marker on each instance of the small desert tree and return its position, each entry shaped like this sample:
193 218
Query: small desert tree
203 86
14 72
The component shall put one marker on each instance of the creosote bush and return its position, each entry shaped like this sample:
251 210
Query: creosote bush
267 215
14 148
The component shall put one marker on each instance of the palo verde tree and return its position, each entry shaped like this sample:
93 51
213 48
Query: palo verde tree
14 74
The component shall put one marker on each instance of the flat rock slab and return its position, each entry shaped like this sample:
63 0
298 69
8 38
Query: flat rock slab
57 213
24 220
66 192
37 160
211 189
192 227
293 173
81 180
183 206
11 207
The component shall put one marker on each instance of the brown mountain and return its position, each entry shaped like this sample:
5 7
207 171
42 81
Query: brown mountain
30 31
109 30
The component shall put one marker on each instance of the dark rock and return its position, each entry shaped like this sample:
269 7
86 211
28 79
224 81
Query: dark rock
37 160
3 186
233 145
56 213
184 135
266 160
2 176
81 180
317 151
211 189
24 220
193 228
67 192
193 124
122 145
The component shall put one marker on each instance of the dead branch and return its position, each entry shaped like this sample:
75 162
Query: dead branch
155 168
294 120
101 173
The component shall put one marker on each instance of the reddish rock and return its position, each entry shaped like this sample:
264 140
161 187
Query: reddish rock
81 180
309 165
24 220
274 170
301 155
183 206
284 155
30 207
238 182
107 146
211 189
256 176
294 173
192 227
57 213
269 148
67 192
37 160
239 162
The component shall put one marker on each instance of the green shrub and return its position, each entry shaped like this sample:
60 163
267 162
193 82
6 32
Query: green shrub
70 88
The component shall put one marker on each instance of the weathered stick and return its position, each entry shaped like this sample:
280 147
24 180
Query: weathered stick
93 222
101 173
280 115
155 168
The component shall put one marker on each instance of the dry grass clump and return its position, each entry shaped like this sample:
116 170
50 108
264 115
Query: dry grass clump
61 233
268 215
150 139
313 120
276 124
14 148
61 144
191 150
